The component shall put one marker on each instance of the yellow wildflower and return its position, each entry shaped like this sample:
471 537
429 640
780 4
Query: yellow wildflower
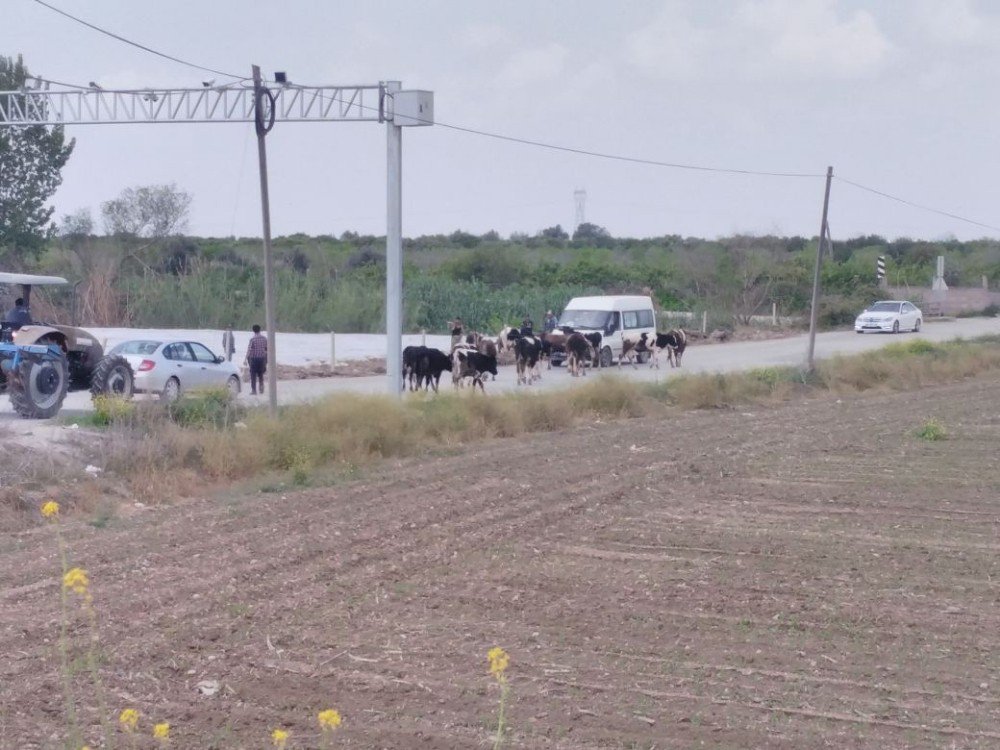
161 731
128 719
76 579
279 737
50 509
329 719
498 661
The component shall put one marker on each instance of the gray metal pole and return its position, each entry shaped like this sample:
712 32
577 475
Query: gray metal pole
394 251
814 310
265 206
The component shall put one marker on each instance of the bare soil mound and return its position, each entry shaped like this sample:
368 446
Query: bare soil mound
807 576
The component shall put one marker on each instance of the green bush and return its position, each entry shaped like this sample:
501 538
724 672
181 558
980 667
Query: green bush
213 407
931 430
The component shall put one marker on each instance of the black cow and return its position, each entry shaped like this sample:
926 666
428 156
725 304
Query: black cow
579 349
430 366
411 355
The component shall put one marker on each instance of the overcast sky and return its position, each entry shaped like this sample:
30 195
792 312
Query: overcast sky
897 96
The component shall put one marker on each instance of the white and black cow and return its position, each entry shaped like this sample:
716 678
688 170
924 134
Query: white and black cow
527 351
489 348
459 354
634 344
676 341
673 341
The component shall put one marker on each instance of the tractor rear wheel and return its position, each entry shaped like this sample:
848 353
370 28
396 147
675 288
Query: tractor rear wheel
38 384
113 376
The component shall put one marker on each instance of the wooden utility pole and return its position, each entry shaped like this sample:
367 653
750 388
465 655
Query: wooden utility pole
814 310
263 122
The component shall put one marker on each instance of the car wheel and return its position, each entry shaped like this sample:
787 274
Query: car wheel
606 356
233 384
857 331
895 326
916 326
171 391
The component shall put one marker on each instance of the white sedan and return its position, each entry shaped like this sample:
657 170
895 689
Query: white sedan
891 316
169 368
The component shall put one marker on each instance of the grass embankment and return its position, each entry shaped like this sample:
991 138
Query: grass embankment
208 438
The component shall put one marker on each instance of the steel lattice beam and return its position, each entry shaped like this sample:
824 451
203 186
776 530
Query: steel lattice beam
229 104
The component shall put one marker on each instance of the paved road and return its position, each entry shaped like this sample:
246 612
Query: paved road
700 358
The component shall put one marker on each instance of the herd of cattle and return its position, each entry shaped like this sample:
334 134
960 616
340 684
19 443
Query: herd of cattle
474 357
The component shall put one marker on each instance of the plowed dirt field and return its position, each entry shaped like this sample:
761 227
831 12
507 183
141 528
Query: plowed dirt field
808 575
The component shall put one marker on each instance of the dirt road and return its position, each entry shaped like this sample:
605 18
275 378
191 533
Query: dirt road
805 576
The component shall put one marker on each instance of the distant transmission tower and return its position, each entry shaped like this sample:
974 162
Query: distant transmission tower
580 198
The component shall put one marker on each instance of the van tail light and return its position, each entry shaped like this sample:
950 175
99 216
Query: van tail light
146 365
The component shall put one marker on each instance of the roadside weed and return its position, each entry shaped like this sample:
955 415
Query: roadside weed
931 430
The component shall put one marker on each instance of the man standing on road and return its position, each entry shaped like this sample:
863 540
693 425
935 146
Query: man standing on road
228 343
550 322
256 360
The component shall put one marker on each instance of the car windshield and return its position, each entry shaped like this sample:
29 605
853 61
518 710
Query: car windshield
884 307
135 347
595 319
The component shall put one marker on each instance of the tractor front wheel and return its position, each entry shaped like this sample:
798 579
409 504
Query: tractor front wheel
38 384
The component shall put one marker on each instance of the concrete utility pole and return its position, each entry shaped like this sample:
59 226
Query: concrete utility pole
814 310
394 249
263 122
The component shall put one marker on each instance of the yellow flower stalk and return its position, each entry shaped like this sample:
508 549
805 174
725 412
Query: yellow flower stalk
329 719
128 719
498 662
280 738
50 509
76 580
161 731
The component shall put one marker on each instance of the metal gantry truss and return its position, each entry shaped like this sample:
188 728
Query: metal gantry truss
292 103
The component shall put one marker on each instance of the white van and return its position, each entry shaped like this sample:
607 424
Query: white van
614 317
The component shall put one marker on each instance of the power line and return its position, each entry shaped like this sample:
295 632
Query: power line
136 44
541 144
459 128
917 205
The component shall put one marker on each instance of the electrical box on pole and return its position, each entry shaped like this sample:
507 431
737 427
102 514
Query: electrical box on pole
413 108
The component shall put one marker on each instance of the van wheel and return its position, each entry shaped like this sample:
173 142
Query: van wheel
606 356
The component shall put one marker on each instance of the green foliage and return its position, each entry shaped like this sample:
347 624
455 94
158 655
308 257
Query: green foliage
209 408
111 409
931 430
31 162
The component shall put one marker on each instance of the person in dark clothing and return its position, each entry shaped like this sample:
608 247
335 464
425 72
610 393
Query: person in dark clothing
256 359
457 332
18 316
527 327
550 322
228 343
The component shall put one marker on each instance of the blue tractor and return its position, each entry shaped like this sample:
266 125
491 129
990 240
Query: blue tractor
41 362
